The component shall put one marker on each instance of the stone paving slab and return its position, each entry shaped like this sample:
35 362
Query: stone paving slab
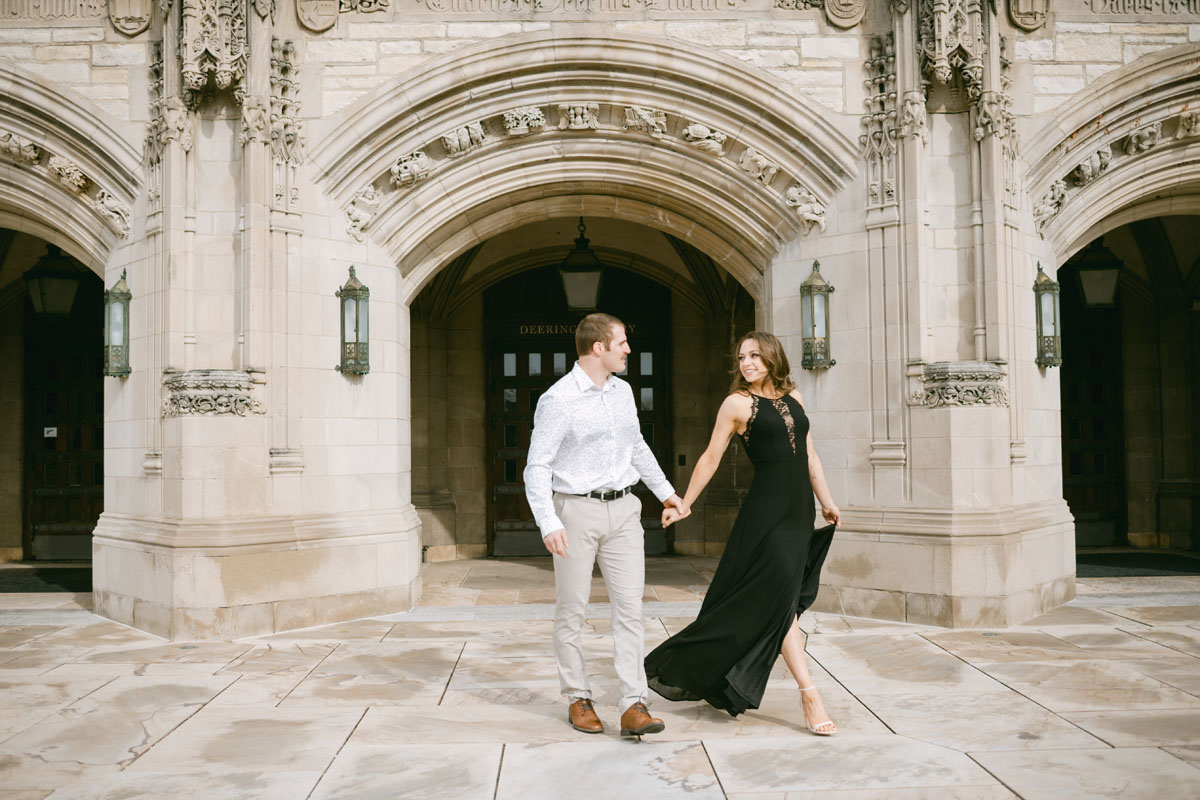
1091 700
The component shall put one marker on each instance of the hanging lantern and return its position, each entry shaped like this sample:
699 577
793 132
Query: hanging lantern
581 272
52 283
354 298
1049 334
814 320
116 329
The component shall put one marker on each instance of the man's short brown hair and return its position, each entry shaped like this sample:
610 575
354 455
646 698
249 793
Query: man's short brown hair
594 328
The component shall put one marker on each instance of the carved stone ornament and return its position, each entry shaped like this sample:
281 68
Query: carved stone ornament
798 5
1092 167
411 168
130 17
912 116
213 46
68 174
951 42
210 392
364 6
704 138
317 15
287 130
264 8
524 120
962 383
578 116
899 6
461 141
1028 15
361 211
646 120
810 209
1189 125
1051 203
994 117
19 149
1144 138
112 211
845 13
255 122
757 165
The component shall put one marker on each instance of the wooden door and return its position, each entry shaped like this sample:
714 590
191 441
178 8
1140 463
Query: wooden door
531 344
64 429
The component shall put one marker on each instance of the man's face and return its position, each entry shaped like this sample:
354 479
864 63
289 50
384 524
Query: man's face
613 357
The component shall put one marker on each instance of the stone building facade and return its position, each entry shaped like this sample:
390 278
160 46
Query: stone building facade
233 160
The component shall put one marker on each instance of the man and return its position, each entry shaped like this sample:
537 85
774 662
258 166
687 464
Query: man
585 456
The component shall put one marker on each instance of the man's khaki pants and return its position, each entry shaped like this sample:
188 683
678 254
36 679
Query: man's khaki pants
609 533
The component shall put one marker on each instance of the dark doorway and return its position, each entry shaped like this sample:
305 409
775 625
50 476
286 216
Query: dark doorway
530 345
1093 437
64 427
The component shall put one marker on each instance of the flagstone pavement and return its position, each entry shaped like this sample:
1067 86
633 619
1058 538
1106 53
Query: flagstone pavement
459 699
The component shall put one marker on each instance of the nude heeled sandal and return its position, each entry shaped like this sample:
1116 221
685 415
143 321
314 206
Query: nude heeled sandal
826 728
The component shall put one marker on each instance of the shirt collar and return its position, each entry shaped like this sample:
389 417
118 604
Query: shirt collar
585 383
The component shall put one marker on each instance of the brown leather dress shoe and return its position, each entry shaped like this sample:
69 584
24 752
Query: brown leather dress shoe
583 716
637 720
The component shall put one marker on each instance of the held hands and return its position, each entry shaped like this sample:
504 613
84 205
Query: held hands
832 513
674 510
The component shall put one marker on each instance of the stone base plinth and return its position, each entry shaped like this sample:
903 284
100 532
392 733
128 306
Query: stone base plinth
227 579
954 569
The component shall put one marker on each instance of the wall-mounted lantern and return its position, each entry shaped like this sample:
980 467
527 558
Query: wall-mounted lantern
116 328
355 356
814 320
1049 334
581 273
52 283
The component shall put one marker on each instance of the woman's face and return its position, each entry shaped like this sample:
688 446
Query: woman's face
750 362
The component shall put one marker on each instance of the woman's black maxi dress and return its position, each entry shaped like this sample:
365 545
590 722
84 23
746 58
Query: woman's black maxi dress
769 573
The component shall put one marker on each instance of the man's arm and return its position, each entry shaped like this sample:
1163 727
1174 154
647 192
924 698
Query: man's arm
549 428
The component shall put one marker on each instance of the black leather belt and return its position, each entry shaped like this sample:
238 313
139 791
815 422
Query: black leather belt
611 494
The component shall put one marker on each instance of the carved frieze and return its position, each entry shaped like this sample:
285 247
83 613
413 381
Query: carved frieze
68 174
578 116
52 12
361 211
461 141
317 15
410 169
1092 167
810 209
213 46
799 5
705 139
1028 15
646 120
1051 203
112 211
129 17
1144 138
524 120
210 392
845 13
364 6
961 383
758 166
19 149
1189 125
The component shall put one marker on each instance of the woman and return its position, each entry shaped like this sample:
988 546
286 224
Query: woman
771 567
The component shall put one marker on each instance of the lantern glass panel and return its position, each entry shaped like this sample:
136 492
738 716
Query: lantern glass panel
819 326
806 315
116 330
348 320
1049 317
363 320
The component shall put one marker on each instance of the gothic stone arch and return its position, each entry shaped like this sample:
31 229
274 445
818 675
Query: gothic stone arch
68 171
538 126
